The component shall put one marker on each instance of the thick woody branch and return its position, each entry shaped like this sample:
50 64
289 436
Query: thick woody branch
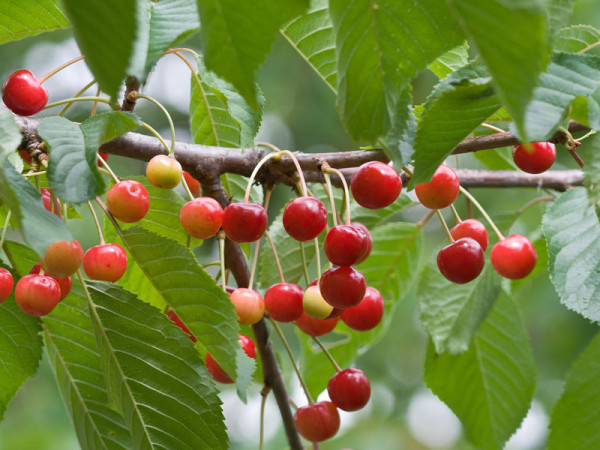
132 84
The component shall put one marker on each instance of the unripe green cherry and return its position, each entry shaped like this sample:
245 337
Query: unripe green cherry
314 304
164 172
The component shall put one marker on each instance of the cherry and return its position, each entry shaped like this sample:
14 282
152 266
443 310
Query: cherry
192 183
536 157
513 257
23 94
317 422
65 284
177 321
315 327
164 172
47 199
128 201
314 304
304 218
367 314
349 389
342 287
472 228
62 258
217 372
244 222
201 217
461 261
25 156
367 236
345 245
37 295
249 305
335 312
104 156
6 284
441 191
283 301
375 185
105 262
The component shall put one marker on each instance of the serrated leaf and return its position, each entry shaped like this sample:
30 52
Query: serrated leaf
10 135
574 421
513 62
105 126
572 231
590 152
576 39
381 45
29 18
490 386
451 313
238 35
450 61
155 376
398 144
559 12
372 218
497 159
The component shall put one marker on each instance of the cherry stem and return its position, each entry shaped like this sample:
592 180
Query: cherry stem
157 134
318 256
276 256
221 239
4 229
79 94
78 99
446 229
182 49
345 185
97 223
210 264
293 361
59 68
303 257
257 245
95 105
253 174
263 393
532 202
483 212
329 188
187 188
108 169
298 168
587 135
34 174
137 95
421 223
328 354
455 212
493 128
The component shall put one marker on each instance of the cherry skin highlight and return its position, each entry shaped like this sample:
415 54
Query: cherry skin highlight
244 222
37 295
315 327
441 191
317 422
62 258
343 287
65 284
375 185
349 389
192 183
367 237
538 158
283 302
217 372
106 262
128 201
345 245
474 229
367 314
164 172
514 257
177 321
6 284
23 94
461 261
249 305
304 218
47 199
201 217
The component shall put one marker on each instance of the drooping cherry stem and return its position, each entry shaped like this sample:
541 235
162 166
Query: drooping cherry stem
318 257
254 172
327 168
79 94
257 244
455 212
483 212
78 99
296 164
97 223
445 225
59 68
133 95
276 256
156 134
328 354
421 223
331 198
4 229
263 393
107 167
304 266
221 239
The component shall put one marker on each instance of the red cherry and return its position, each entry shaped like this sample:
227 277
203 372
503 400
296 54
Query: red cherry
217 372
244 222
249 305
47 199
367 314
283 301
37 295
25 156
536 157
472 228
514 257
6 284
192 183
367 237
128 201
201 217
62 258
317 422
342 287
345 245
304 218
441 191
461 261
315 327
375 185
177 321
105 262
164 172
349 389
65 284
335 312
104 156
23 94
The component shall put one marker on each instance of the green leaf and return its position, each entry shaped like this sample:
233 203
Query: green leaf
21 257
106 126
372 218
28 18
497 28
10 135
572 231
497 159
238 36
450 61
398 144
451 313
235 186
381 45
490 386
576 39
155 376
559 13
590 153
574 421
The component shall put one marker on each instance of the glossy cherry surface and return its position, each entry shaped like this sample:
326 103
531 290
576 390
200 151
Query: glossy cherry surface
128 201
177 321
65 284
105 262
23 94
201 217
367 314
315 327
283 301
342 287
367 237
164 172
249 305
441 191
62 258
192 183
314 304
217 372
349 389
244 222
514 257
6 284
375 185
536 157
345 245
304 218
47 199
461 261
472 228
37 295
317 422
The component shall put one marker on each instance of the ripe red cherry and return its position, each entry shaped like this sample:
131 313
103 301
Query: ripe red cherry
105 262
317 422
367 314
244 222
304 218
6 284
441 191
37 295
472 228
25 156
315 327
283 301
217 372
375 185
177 321
104 156
513 257
201 217
345 245
349 389
367 236
128 201
461 261
65 284
249 305
342 287
62 258
164 172
192 183
536 158
23 94
47 199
